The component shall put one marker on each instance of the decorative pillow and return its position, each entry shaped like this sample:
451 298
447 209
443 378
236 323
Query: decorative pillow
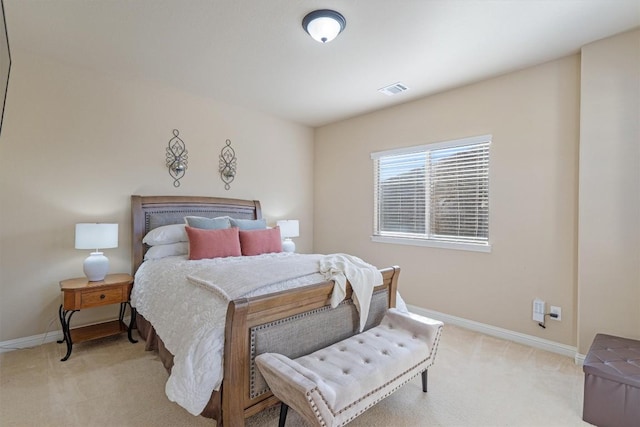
166 235
249 224
213 243
208 223
172 249
256 242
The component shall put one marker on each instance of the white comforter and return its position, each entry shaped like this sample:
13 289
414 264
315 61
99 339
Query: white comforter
187 304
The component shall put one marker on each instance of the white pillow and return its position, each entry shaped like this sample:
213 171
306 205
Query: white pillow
166 235
172 249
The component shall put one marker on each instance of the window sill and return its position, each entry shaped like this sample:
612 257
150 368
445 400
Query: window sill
473 247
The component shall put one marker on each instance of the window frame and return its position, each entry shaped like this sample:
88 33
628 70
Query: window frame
428 241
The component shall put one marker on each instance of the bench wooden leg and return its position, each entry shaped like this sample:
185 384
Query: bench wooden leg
424 380
283 414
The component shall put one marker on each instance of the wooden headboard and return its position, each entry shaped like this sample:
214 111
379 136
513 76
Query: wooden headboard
149 212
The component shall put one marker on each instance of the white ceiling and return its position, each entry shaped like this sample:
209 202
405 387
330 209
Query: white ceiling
254 53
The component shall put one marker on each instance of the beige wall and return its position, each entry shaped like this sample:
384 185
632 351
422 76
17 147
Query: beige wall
609 233
533 116
5 61
76 144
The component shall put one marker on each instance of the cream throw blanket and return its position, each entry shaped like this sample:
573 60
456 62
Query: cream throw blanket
362 276
230 283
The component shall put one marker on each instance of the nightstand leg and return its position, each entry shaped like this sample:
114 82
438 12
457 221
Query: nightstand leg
64 334
132 322
123 307
65 321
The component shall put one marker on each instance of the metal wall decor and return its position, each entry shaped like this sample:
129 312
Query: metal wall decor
5 62
176 158
227 164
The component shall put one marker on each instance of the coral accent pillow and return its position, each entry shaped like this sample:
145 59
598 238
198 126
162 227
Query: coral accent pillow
256 242
213 243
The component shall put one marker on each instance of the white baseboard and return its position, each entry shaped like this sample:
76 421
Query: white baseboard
36 340
530 340
32 341
494 331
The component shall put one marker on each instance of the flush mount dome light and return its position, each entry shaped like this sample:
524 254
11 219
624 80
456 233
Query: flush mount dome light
324 25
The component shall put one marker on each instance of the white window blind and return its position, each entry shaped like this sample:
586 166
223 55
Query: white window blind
435 192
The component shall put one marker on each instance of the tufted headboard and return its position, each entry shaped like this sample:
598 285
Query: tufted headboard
149 212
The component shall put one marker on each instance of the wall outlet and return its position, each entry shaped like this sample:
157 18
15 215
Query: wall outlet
538 310
556 310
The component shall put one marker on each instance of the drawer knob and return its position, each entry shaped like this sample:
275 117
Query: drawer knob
102 296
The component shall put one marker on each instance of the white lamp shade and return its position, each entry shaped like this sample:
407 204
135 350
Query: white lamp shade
289 228
96 236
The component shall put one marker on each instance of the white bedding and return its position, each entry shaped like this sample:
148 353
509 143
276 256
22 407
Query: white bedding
187 309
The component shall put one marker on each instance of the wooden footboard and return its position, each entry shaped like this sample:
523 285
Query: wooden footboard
254 324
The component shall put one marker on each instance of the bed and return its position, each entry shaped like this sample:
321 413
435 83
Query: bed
283 321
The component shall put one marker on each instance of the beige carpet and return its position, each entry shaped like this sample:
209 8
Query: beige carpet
476 381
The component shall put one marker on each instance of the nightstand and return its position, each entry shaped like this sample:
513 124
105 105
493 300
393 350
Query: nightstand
80 294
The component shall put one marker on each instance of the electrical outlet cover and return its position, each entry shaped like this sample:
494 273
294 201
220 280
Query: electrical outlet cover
538 310
556 310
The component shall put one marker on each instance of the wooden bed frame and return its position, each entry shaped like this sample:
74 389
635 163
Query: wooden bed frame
246 317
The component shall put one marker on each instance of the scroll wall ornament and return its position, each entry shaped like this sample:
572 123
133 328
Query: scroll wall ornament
176 158
227 164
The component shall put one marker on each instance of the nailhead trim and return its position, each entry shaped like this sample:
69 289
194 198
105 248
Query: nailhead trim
188 211
253 369
418 368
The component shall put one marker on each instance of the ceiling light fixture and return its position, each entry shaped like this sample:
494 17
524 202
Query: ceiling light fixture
324 25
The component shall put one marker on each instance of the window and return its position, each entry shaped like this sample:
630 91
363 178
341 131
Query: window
434 195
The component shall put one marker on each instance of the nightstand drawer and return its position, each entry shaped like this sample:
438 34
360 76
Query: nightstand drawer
103 297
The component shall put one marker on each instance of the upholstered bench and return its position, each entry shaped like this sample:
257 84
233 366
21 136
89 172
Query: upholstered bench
612 382
334 385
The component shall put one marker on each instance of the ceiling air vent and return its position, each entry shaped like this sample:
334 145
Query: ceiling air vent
393 89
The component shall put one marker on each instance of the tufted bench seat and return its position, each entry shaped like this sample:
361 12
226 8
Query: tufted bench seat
334 385
612 382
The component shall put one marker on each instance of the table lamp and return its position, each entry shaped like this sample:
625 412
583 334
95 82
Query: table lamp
289 228
96 236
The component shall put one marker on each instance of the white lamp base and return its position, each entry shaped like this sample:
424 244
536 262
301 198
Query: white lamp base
96 266
288 245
